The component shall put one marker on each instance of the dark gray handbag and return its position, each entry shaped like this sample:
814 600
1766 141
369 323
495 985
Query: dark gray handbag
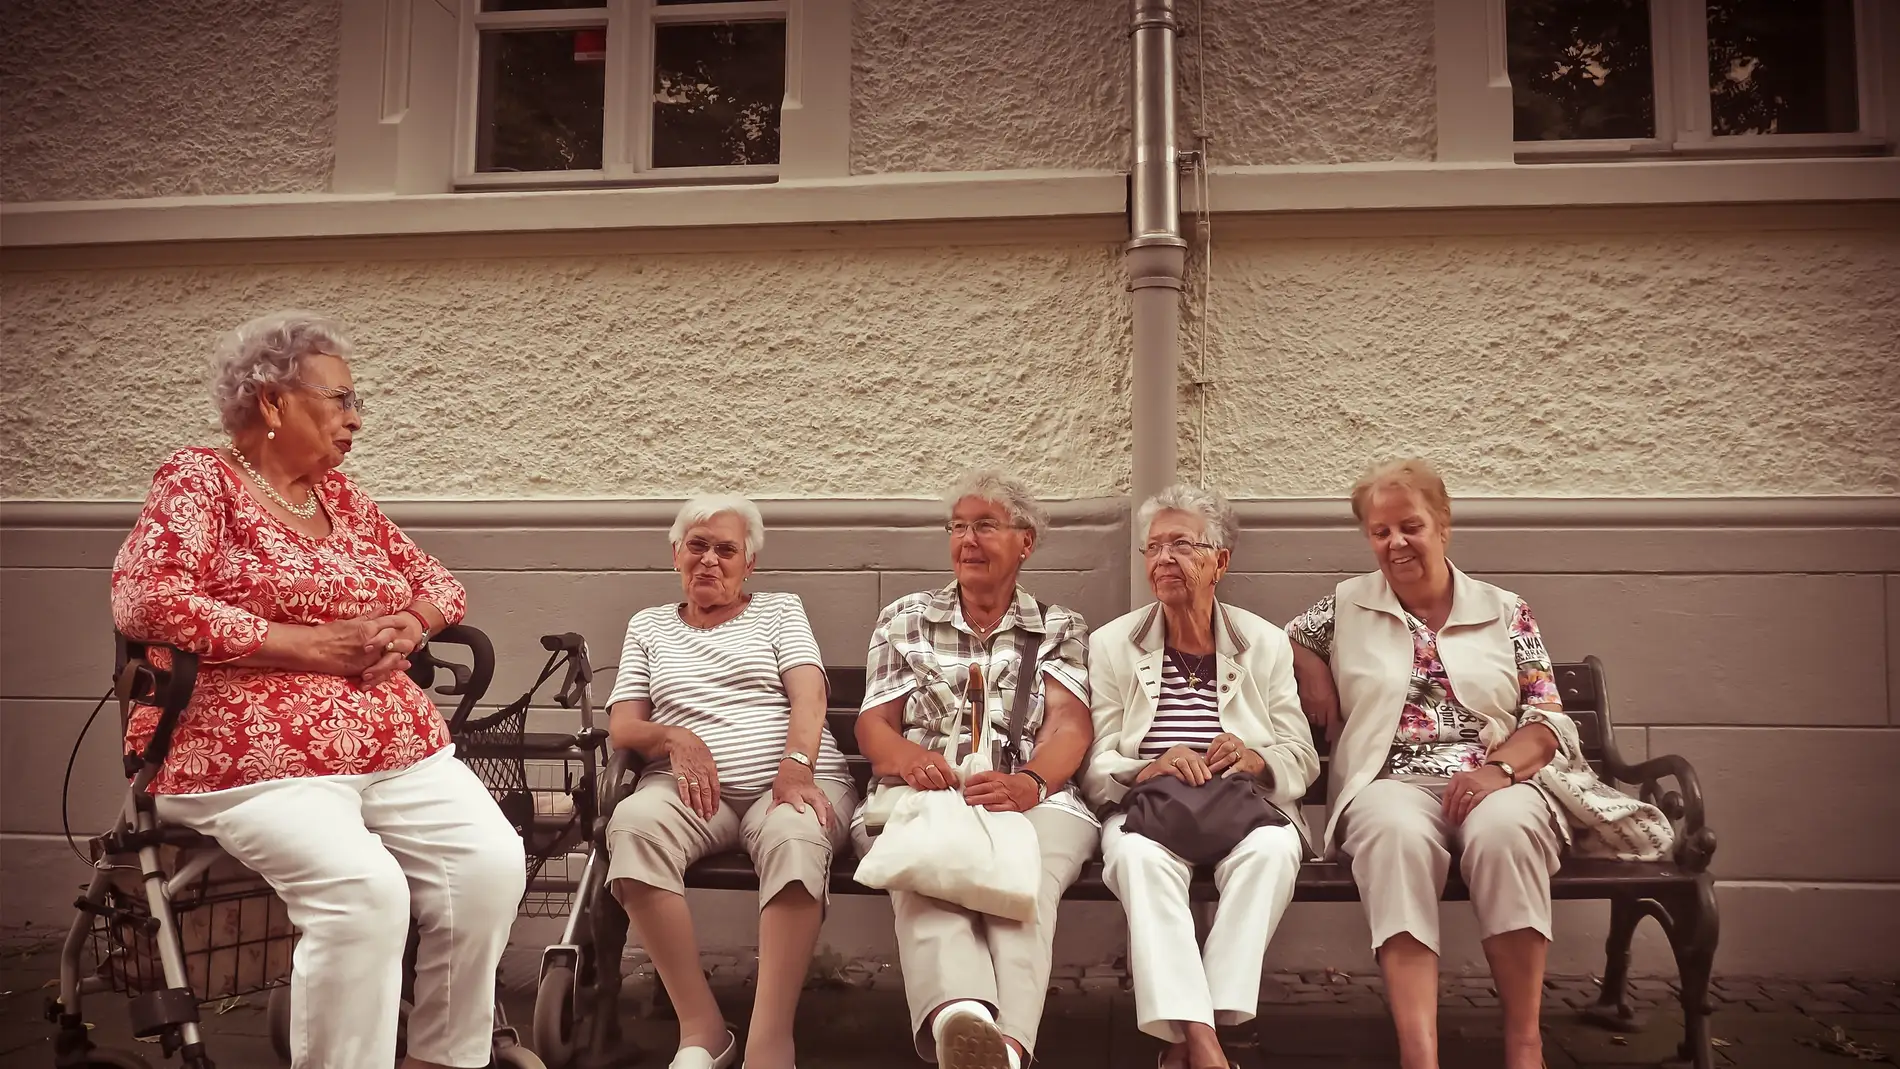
1201 824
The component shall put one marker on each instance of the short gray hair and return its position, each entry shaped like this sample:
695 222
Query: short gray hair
702 507
1223 528
266 352
998 488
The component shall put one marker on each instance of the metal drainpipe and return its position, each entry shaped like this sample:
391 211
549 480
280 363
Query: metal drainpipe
1156 257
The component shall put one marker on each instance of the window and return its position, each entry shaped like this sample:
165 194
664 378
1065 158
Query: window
635 90
1693 77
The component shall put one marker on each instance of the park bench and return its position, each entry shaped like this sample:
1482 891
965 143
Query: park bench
1678 892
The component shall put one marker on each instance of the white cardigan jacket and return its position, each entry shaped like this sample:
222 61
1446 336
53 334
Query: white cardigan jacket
1258 702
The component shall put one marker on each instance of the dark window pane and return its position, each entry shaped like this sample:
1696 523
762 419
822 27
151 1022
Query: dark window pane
717 90
542 97
1782 67
1580 69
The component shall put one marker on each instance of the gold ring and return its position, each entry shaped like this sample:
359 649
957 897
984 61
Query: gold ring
391 648
1470 793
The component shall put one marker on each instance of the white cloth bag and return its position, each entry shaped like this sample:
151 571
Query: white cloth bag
935 843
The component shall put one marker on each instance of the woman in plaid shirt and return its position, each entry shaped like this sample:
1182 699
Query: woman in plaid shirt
976 982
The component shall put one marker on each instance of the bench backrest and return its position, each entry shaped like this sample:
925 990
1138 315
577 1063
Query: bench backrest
1585 698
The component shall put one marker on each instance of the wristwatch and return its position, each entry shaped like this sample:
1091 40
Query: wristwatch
1509 772
794 755
1042 785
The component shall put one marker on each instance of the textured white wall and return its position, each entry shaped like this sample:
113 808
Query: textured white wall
109 99
971 87
978 87
867 373
1308 81
1694 363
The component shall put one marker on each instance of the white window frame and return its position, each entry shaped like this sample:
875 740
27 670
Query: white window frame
627 120
1679 54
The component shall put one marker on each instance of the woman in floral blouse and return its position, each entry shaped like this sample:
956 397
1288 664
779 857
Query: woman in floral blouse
306 751
1450 735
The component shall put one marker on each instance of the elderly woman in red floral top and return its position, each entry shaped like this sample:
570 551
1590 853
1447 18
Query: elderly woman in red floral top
306 751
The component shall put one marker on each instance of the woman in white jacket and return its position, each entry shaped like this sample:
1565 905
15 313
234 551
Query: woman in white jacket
1191 688
1440 694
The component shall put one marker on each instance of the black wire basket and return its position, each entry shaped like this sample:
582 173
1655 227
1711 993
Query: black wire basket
535 781
234 931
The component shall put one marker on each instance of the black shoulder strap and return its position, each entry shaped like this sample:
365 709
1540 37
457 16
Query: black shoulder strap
1027 663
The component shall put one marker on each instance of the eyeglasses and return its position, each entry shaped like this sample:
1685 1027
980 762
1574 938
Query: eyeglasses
1180 547
982 528
724 550
345 397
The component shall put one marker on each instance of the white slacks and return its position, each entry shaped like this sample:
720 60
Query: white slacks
1400 846
353 858
949 953
1174 980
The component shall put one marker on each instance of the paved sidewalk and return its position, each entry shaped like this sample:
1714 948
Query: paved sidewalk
854 1018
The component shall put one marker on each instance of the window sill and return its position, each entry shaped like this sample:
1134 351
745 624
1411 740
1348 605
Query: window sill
898 198
918 208
1503 184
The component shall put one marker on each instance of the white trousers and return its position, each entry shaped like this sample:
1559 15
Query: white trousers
1400 844
353 858
1175 981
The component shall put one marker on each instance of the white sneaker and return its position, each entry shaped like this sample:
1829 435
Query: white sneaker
967 1038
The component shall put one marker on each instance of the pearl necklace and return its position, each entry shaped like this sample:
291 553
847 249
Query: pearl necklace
303 512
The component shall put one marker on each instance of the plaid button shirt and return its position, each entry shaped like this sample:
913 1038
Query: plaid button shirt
923 650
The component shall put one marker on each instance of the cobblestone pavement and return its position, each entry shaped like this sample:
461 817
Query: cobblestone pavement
853 1017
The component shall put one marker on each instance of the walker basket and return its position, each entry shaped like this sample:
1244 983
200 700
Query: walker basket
534 781
235 935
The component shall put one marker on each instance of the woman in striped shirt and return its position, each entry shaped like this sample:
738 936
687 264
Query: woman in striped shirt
1192 688
724 694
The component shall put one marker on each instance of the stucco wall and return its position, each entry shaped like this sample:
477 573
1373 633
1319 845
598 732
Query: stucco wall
868 373
1309 81
977 87
1692 363
106 99
953 87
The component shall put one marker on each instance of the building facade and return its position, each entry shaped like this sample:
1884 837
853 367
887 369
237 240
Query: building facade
844 249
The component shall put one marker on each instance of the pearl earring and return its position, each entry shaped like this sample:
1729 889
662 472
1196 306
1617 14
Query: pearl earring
272 435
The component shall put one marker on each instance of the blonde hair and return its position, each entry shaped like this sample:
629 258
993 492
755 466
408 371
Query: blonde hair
1407 473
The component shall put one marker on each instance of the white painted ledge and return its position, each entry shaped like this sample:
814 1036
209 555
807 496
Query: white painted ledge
1399 186
906 198
1028 198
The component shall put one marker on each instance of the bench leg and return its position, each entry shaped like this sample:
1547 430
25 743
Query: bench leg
1697 930
1613 1010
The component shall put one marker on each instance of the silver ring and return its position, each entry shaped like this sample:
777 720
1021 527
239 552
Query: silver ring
1470 793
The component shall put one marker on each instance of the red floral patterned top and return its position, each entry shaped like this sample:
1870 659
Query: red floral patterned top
208 569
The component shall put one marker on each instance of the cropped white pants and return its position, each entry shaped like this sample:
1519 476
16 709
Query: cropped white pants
354 858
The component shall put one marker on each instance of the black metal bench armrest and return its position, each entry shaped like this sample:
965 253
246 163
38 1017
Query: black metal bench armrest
1681 803
623 768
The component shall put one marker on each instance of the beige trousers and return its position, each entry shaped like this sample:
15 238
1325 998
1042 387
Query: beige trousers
949 953
653 837
1400 844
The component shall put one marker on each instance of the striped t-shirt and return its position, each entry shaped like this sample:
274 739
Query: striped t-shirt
725 685
1184 715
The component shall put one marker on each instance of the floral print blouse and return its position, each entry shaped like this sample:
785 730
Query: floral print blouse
208 569
1437 735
